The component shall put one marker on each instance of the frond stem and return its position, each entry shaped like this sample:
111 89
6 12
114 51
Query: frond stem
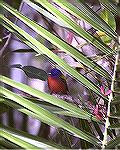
107 123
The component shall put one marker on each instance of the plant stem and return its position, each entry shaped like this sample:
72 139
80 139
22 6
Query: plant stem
107 123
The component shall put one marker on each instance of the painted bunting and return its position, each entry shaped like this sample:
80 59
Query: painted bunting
57 82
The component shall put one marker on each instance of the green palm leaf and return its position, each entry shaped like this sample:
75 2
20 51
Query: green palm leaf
55 58
82 11
48 118
76 28
58 42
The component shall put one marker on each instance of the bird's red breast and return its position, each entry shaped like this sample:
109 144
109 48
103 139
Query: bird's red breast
57 85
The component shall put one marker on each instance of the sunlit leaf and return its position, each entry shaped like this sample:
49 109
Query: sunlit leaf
73 26
7 144
55 58
20 37
49 118
49 98
45 13
11 137
92 18
43 143
110 20
110 5
58 42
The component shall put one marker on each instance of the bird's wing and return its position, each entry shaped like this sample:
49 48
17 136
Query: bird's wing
62 77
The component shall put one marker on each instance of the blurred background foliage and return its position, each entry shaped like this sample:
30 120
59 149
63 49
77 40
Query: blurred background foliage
85 35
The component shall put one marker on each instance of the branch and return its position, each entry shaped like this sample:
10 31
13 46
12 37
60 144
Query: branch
5 45
107 123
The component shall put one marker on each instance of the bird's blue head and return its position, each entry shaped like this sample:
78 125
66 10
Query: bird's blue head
55 72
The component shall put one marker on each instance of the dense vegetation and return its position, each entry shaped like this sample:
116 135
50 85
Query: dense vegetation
80 38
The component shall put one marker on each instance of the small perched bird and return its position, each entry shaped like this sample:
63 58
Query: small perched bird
57 82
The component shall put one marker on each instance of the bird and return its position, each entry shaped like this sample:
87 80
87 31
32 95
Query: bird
56 82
